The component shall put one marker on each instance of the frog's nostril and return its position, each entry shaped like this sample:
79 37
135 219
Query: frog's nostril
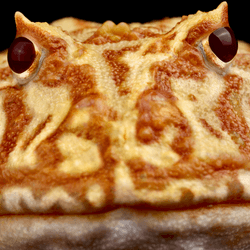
21 54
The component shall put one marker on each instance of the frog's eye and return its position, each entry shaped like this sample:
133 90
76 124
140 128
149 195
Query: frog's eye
223 43
21 54
219 49
25 59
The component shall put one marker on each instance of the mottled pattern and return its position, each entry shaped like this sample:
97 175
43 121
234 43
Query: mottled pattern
136 134
133 114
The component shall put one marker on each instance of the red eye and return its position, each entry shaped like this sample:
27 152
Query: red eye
223 43
21 54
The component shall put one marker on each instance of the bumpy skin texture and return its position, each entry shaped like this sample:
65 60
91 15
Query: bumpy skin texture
137 135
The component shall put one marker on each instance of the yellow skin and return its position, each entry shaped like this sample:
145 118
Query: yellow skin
124 117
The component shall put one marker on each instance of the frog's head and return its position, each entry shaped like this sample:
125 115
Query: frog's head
136 134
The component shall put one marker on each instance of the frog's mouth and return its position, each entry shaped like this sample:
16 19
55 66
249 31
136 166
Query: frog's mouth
213 227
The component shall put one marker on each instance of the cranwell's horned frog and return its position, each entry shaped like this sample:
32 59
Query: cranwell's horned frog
137 134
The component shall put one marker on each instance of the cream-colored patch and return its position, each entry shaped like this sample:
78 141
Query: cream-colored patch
124 186
137 79
123 134
140 77
126 193
174 191
58 196
105 85
244 178
41 102
245 93
3 59
8 81
96 196
81 155
117 108
126 145
80 117
160 154
15 197
206 144
206 93
12 198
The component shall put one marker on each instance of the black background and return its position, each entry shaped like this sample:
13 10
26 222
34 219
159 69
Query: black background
117 11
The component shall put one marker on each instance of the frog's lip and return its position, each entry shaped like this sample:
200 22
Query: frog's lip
217 227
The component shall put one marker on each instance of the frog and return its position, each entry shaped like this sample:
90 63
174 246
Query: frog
125 136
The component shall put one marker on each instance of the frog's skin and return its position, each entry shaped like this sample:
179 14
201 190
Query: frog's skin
128 136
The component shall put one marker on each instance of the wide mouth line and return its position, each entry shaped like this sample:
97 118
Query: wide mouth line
142 209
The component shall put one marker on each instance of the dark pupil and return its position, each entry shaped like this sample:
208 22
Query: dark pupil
21 54
223 43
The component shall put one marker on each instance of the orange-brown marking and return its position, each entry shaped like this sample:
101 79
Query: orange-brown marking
46 175
161 45
242 61
192 98
231 116
83 24
17 118
200 30
5 72
119 69
52 71
146 32
235 190
38 130
57 71
189 64
100 38
151 121
211 129
81 80
148 176
155 116
193 56
52 43
206 27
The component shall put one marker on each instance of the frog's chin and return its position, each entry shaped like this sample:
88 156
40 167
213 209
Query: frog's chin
214 227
